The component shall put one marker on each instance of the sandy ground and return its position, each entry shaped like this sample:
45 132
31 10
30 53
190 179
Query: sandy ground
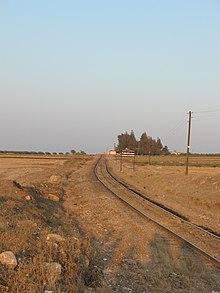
136 247
132 254
196 196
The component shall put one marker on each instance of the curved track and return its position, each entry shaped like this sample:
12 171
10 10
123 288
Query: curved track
203 241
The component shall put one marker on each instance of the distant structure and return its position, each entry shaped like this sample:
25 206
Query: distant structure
175 153
128 153
112 152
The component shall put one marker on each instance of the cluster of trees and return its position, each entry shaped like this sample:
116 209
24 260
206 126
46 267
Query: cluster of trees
78 153
31 153
41 153
144 146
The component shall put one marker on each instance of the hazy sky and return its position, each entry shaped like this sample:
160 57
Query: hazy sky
75 74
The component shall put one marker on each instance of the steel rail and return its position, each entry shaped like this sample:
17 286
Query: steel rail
154 204
197 248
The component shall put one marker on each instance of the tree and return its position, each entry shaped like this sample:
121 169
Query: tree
159 146
73 151
126 140
132 144
123 141
145 145
165 150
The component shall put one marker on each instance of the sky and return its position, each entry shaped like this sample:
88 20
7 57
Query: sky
76 74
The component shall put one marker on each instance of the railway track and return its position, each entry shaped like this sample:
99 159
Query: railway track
201 240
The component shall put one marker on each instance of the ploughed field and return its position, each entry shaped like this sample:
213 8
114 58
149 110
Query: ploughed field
69 234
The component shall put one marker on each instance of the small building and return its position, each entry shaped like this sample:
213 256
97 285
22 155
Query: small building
175 153
112 152
128 153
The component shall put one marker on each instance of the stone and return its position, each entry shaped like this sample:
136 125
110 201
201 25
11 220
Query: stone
8 259
53 270
55 179
27 197
53 245
53 197
55 238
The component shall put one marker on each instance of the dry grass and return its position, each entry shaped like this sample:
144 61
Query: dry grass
173 160
169 186
24 226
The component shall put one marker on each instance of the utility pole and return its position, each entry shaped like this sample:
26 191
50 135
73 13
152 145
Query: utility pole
188 142
134 162
115 153
121 162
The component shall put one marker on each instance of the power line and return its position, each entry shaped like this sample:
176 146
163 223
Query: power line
176 127
207 115
207 118
207 111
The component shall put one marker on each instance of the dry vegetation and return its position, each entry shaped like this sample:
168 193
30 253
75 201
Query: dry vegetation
195 196
104 247
27 217
179 160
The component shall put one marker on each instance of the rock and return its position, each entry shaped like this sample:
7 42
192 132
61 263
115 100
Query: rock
55 238
55 179
8 259
53 245
53 197
27 197
53 269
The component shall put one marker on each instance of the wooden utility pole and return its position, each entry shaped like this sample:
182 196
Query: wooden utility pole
134 163
121 162
188 142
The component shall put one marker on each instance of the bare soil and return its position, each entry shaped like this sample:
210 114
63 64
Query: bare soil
108 247
196 195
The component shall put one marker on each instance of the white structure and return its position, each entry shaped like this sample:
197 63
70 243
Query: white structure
112 152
